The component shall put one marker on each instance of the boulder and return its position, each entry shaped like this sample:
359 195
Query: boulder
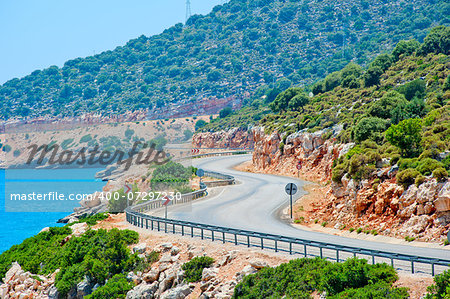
140 248
79 228
13 272
258 264
151 276
427 191
84 288
442 203
177 293
209 273
143 291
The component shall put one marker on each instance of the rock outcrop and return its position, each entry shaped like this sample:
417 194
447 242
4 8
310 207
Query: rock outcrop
21 284
234 138
377 205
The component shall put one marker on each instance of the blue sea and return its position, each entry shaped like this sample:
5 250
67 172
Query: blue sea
20 219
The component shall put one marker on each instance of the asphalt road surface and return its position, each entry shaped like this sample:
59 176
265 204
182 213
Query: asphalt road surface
255 203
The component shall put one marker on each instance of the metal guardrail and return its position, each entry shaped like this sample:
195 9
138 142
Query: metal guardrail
278 243
223 179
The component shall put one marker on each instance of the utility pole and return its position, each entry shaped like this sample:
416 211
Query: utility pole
188 10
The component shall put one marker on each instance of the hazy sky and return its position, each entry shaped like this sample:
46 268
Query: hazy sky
36 34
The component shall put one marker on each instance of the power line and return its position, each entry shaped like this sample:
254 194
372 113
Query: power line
188 10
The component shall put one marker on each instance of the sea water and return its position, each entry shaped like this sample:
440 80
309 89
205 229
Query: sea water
22 219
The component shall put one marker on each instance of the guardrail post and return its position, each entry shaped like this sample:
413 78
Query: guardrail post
392 262
290 247
262 243
235 239
158 226
337 255
373 259
223 237
432 269
146 223
192 231
276 249
182 230
173 228
202 233
412 266
212 235
152 224
321 252
304 248
248 241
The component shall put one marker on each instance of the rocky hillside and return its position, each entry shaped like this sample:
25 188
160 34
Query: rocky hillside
377 138
170 266
222 57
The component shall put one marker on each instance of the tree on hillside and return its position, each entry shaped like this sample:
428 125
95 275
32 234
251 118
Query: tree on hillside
299 101
225 112
281 102
415 88
405 47
437 41
200 124
407 136
369 128
384 107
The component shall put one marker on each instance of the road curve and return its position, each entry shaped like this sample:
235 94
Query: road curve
255 203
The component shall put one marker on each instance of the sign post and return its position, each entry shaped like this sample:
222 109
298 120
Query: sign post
200 173
127 190
299 166
166 202
291 189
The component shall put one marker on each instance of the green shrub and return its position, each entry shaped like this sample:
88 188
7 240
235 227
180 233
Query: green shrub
407 177
338 172
116 287
194 268
379 290
407 136
441 287
420 179
351 229
407 163
369 128
97 254
355 273
295 279
428 165
359 230
440 174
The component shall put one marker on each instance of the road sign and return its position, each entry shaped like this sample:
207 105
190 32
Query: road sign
200 172
195 151
299 166
127 188
291 188
167 200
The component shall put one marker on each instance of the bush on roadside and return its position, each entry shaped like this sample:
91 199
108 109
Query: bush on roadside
441 287
299 278
117 287
194 268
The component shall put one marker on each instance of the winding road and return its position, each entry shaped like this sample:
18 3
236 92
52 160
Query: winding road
256 202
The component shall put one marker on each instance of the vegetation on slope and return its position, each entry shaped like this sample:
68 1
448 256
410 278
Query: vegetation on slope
97 254
238 47
299 278
397 109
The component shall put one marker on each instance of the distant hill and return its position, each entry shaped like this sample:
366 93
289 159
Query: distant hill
230 52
